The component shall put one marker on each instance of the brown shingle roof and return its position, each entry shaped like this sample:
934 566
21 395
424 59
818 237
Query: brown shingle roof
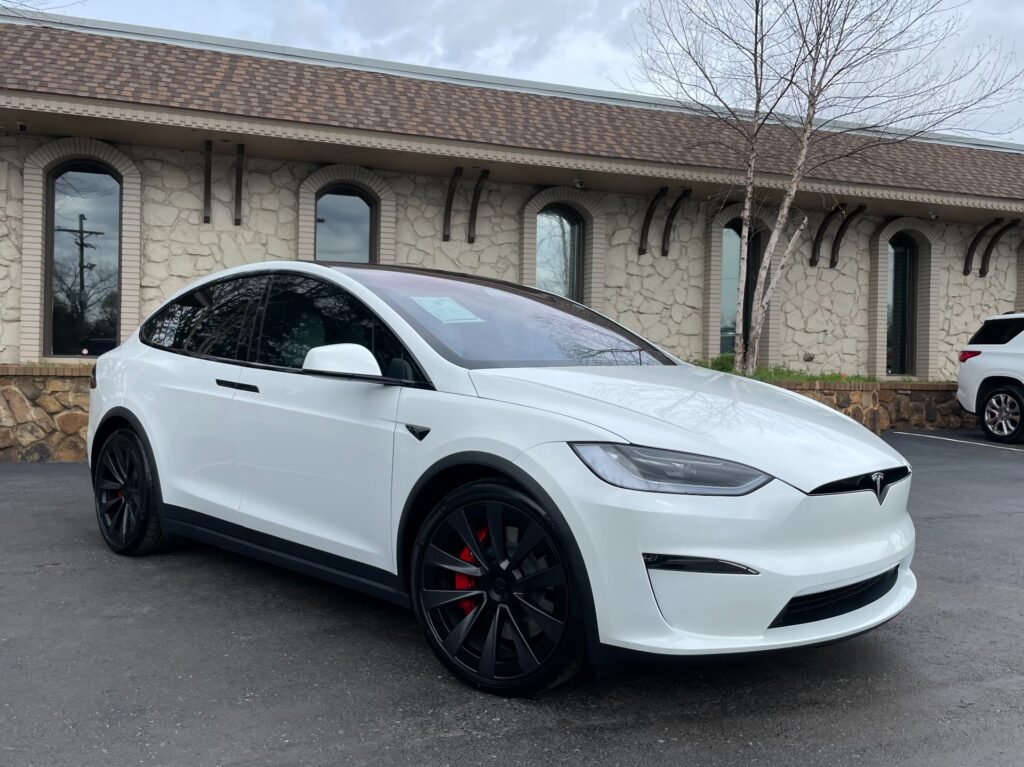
40 59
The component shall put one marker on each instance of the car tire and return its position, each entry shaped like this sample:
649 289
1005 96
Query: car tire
494 592
127 494
1001 414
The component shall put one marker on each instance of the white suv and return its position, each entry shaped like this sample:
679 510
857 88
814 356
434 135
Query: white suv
991 380
535 481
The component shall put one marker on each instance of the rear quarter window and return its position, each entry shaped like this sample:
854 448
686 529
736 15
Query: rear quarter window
211 321
998 331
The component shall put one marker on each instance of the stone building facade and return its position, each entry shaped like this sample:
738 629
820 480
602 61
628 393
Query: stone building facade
820 315
823 318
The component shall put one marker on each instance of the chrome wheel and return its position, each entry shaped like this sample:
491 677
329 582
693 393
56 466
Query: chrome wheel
1002 414
494 591
119 492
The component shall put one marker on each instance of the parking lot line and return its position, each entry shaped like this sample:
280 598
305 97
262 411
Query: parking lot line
961 441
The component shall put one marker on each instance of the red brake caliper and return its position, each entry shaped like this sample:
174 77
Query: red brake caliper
468 582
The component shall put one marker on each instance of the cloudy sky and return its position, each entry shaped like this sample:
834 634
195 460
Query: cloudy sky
574 42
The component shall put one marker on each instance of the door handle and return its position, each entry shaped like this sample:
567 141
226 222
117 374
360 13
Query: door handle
238 386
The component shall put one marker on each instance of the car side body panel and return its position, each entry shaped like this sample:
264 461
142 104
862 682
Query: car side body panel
461 425
186 414
993 362
314 460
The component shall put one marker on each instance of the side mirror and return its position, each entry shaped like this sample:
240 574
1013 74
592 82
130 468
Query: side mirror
345 360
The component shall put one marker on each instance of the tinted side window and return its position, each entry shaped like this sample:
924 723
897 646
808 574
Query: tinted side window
998 331
303 313
160 329
213 321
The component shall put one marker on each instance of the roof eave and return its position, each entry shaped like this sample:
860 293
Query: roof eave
201 125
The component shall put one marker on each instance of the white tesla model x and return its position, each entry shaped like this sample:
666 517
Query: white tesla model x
538 483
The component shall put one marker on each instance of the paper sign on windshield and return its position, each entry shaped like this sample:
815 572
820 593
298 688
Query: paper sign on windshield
446 309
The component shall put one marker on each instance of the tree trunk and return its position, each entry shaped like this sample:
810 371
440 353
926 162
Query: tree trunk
740 347
763 290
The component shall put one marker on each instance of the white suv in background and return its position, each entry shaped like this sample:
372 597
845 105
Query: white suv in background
991 380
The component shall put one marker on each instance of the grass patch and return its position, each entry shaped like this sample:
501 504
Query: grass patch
724 363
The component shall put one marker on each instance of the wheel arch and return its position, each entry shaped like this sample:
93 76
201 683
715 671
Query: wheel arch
115 418
460 468
990 383
118 417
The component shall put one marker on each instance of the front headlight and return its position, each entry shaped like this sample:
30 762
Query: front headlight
666 471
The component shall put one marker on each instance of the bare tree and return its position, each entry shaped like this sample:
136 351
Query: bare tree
805 88
84 302
18 7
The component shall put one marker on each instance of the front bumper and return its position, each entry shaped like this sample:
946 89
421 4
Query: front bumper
798 544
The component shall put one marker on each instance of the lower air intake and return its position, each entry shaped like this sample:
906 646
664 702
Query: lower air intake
828 604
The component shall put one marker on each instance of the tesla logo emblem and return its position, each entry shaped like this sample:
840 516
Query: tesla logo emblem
878 478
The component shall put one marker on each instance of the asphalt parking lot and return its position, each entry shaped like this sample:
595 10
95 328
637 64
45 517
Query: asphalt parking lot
200 657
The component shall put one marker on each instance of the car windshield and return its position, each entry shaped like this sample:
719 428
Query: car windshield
479 324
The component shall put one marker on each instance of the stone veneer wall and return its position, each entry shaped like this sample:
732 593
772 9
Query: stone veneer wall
967 300
13 150
890 404
824 311
44 413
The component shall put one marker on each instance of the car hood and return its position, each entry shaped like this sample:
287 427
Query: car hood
687 408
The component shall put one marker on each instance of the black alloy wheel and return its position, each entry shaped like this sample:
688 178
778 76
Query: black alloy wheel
494 592
127 495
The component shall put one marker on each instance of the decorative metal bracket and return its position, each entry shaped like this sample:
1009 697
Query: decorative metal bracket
207 179
477 190
993 242
670 220
976 241
446 231
820 234
837 241
648 216
239 169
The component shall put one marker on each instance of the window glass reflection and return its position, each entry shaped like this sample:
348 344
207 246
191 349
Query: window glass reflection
900 305
303 313
85 259
343 226
213 321
559 247
477 324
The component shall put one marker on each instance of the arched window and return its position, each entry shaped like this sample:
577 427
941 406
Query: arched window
731 283
901 306
346 220
560 251
83 268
